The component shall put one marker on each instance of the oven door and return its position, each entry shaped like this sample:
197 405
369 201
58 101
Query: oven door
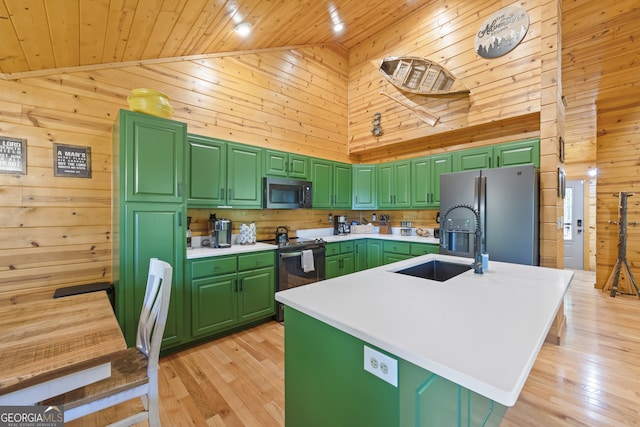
291 273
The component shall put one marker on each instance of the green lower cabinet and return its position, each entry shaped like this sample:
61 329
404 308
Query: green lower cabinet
228 291
339 259
339 265
374 253
418 249
326 385
394 251
360 255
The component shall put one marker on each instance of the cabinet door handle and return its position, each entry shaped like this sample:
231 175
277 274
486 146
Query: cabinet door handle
221 193
179 219
179 189
228 194
241 281
498 161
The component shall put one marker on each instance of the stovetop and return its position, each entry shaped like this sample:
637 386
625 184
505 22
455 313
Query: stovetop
295 243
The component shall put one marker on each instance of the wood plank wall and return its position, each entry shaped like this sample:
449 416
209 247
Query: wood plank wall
56 231
444 31
513 95
600 77
316 100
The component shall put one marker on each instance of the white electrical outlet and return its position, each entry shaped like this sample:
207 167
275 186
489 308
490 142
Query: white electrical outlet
381 365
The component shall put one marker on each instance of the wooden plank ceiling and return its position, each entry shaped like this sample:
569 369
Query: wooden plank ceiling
53 34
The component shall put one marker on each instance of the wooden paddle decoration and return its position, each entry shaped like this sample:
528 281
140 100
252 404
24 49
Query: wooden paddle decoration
422 113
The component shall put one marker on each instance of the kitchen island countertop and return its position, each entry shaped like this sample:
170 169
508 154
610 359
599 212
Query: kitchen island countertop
481 331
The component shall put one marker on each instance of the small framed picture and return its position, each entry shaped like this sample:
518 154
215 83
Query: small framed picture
71 161
13 155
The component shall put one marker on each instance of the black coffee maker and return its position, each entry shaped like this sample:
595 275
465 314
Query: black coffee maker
341 225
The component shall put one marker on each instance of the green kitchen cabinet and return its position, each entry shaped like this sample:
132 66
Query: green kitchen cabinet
473 159
339 259
501 155
364 187
518 153
207 160
152 158
332 182
394 250
149 216
418 249
425 179
228 291
375 253
244 180
286 165
224 174
360 256
394 185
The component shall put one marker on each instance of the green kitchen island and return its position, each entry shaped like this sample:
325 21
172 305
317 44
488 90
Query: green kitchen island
379 348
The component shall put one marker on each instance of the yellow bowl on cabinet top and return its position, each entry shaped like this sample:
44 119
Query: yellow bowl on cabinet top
150 101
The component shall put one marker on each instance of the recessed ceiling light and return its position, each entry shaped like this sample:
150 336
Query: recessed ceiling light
337 28
243 29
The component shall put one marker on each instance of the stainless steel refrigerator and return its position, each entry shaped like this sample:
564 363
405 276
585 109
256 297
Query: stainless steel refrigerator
508 202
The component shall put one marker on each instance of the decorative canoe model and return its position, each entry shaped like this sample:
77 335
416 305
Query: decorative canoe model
421 76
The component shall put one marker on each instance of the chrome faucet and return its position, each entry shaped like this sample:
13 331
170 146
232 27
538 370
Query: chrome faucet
477 245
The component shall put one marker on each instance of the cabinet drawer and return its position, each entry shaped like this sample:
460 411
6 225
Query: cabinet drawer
397 247
213 267
424 248
256 260
332 249
346 247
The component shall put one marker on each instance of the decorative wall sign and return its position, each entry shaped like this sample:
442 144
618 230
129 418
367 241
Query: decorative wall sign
13 155
501 32
72 161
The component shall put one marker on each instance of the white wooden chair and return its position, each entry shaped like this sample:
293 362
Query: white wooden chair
135 372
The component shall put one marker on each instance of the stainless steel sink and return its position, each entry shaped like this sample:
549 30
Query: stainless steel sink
436 270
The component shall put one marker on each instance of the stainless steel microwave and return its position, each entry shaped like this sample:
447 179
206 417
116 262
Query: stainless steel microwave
282 193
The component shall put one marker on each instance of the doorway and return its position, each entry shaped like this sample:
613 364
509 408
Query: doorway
573 227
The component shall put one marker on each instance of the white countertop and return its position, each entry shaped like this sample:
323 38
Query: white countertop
205 252
482 331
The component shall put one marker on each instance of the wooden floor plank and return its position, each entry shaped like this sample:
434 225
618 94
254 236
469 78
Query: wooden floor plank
591 379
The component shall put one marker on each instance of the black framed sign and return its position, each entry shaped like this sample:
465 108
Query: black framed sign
13 155
71 160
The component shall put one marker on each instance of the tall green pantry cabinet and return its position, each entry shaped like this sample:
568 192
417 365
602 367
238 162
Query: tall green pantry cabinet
149 217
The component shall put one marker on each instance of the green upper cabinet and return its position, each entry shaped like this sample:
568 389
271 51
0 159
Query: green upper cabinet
394 182
518 153
332 184
207 159
364 187
279 163
475 158
244 176
509 154
224 174
425 179
153 151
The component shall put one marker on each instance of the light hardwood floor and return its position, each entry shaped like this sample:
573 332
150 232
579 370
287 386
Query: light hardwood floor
592 379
